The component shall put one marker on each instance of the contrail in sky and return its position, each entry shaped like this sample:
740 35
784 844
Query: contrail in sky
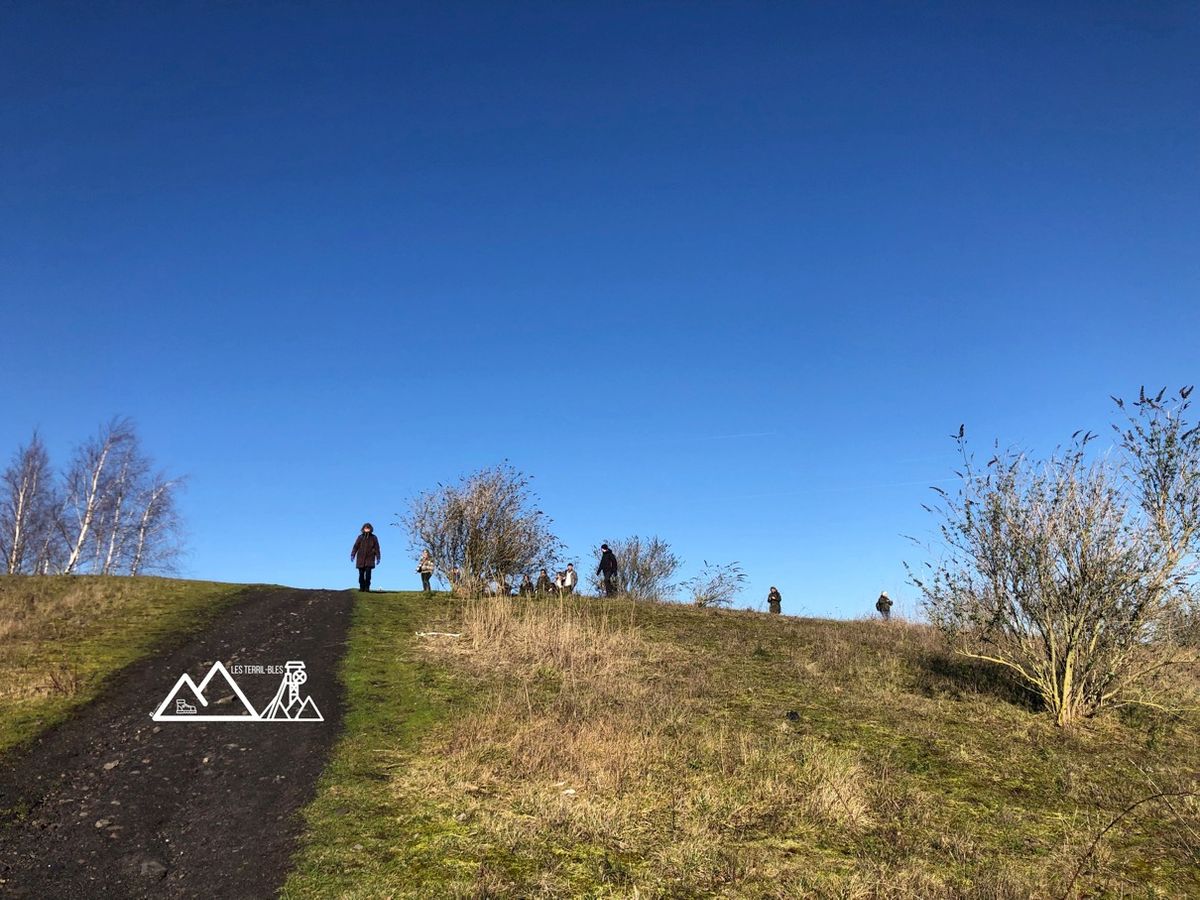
744 434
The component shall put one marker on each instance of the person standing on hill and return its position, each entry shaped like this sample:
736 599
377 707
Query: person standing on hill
544 585
608 569
884 605
366 555
570 579
774 598
425 567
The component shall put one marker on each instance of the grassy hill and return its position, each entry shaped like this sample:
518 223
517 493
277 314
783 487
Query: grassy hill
603 748
61 637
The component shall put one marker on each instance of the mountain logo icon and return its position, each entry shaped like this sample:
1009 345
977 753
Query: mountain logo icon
217 698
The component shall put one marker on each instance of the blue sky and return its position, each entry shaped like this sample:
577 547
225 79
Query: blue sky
726 273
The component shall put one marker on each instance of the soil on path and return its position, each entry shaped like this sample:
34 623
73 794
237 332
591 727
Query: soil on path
113 804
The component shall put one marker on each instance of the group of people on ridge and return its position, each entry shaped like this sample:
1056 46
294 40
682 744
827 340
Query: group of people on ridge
562 584
366 556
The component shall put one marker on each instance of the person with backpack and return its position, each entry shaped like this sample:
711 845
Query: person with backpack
608 569
884 605
366 555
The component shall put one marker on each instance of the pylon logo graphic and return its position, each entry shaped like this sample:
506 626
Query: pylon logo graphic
217 698
293 709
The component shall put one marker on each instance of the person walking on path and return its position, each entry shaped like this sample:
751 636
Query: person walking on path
425 567
774 598
570 579
884 606
608 569
366 555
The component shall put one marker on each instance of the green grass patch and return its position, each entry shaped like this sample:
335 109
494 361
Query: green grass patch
62 637
362 840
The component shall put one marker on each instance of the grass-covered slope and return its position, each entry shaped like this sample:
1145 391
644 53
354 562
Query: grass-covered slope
600 748
62 636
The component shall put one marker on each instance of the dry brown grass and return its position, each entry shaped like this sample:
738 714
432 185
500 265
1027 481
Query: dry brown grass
632 750
60 636
39 618
599 737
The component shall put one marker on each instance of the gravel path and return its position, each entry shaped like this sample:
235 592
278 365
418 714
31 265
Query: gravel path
113 804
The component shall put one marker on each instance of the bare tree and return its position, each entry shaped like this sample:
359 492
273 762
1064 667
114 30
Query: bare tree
645 567
487 526
115 516
26 507
116 525
1072 573
156 528
89 487
716 585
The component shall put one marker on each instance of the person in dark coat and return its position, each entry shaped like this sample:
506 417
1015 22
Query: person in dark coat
608 569
884 606
544 585
366 555
774 598
526 588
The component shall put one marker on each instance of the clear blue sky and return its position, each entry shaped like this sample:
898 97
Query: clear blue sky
727 273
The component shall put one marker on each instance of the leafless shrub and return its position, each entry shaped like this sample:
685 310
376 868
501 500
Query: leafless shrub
716 585
65 681
646 567
487 526
1072 573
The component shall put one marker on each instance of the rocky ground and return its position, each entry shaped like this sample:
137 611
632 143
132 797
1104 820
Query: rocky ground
114 804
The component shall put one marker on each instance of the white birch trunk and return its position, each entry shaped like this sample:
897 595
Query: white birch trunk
91 504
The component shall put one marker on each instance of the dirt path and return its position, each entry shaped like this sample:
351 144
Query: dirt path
114 804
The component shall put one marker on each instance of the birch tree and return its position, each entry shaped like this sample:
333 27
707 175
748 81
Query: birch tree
117 523
88 488
156 532
1074 573
26 508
